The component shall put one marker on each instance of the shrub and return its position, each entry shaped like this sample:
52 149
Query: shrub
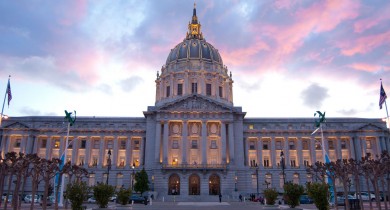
292 192
124 195
319 192
76 192
270 195
102 193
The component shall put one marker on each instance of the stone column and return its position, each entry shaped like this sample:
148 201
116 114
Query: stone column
29 144
34 144
157 142
101 152
246 152
88 151
273 151
165 142
299 152
313 150
363 144
259 153
171 84
6 139
231 142
286 151
184 148
23 143
141 151
114 153
185 84
75 148
351 145
48 148
129 153
223 142
338 148
204 142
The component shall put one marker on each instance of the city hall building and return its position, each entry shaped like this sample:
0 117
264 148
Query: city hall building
194 143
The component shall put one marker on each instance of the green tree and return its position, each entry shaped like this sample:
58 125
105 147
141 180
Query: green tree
319 192
142 181
270 195
76 192
124 195
102 193
292 192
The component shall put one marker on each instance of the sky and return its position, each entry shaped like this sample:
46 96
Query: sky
287 58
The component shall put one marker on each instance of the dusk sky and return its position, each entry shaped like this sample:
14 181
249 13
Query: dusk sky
287 58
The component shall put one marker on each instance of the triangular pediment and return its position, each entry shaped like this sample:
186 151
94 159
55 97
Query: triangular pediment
369 127
195 103
16 125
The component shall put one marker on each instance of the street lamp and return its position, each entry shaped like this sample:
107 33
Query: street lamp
282 165
257 179
108 165
152 182
235 183
132 177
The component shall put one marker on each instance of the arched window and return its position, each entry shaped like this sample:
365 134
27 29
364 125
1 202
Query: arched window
194 185
214 185
174 185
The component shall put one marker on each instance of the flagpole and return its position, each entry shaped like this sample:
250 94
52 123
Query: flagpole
5 95
62 178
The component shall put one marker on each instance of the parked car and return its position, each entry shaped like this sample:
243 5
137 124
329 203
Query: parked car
50 200
28 199
341 199
305 199
137 199
366 197
113 198
91 200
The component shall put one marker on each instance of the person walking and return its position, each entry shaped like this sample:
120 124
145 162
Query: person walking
220 197
240 197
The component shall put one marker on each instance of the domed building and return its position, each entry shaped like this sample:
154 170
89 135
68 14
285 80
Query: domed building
194 143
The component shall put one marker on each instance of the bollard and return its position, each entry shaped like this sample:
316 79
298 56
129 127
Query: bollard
174 198
244 199
132 202
163 199
151 201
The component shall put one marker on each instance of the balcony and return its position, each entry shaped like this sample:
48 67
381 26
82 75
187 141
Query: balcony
222 167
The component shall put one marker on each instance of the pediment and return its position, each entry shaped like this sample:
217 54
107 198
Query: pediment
369 127
16 125
195 103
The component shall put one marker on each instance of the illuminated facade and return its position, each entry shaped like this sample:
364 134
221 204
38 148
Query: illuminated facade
194 143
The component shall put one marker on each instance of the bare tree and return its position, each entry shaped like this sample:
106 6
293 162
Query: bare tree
356 171
49 170
10 160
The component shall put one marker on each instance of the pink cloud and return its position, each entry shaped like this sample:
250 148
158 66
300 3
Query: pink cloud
365 67
374 19
73 12
241 56
364 44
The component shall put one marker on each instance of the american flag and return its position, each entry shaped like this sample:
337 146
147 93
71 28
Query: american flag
9 92
382 97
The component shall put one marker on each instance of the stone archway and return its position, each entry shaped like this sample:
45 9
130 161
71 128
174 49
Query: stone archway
214 185
174 185
194 185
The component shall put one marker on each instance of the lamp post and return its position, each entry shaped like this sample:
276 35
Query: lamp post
108 165
235 183
257 179
152 182
132 177
282 165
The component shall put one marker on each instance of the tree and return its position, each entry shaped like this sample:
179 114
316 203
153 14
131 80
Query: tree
292 192
102 193
319 192
142 181
124 195
76 192
49 170
270 195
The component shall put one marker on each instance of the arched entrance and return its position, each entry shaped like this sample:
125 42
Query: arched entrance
214 185
194 185
174 185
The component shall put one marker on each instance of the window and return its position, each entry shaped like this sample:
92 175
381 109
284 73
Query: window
168 91
266 162
121 161
94 161
318 145
331 144
208 89
305 145
343 144
175 144
293 163
57 144
17 143
220 92
309 178
109 144
119 180
368 142
194 87
91 180
268 180
265 145
136 145
70 145
179 89
83 144
291 145
122 144
96 144
278 145
194 144
43 143
251 127
252 145
175 161
213 144
81 160
296 178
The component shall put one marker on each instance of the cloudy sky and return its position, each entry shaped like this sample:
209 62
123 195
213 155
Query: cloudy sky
288 58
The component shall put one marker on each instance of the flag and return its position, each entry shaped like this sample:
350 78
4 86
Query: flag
9 92
382 97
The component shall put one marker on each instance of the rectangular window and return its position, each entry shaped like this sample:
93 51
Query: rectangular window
17 143
266 162
94 161
110 144
306 162
213 144
91 180
179 89
293 163
81 160
43 143
252 145
291 145
122 162
194 144
331 144
83 144
318 145
175 144
368 142
122 144
57 144
70 145
119 180
343 144
278 145
208 89
96 144
136 145
168 91
251 126
305 145
194 87
265 145
220 92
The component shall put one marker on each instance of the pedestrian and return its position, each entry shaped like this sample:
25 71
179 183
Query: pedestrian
146 200
220 197
240 197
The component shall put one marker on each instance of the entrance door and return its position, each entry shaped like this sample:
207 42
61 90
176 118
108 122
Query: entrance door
214 185
174 185
194 185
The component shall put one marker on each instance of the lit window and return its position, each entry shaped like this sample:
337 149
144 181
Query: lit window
136 145
368 142
57 143
96 144
251 126
110 144
122 144
17 143
305 145
343 144
94 161
292 145
252 145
